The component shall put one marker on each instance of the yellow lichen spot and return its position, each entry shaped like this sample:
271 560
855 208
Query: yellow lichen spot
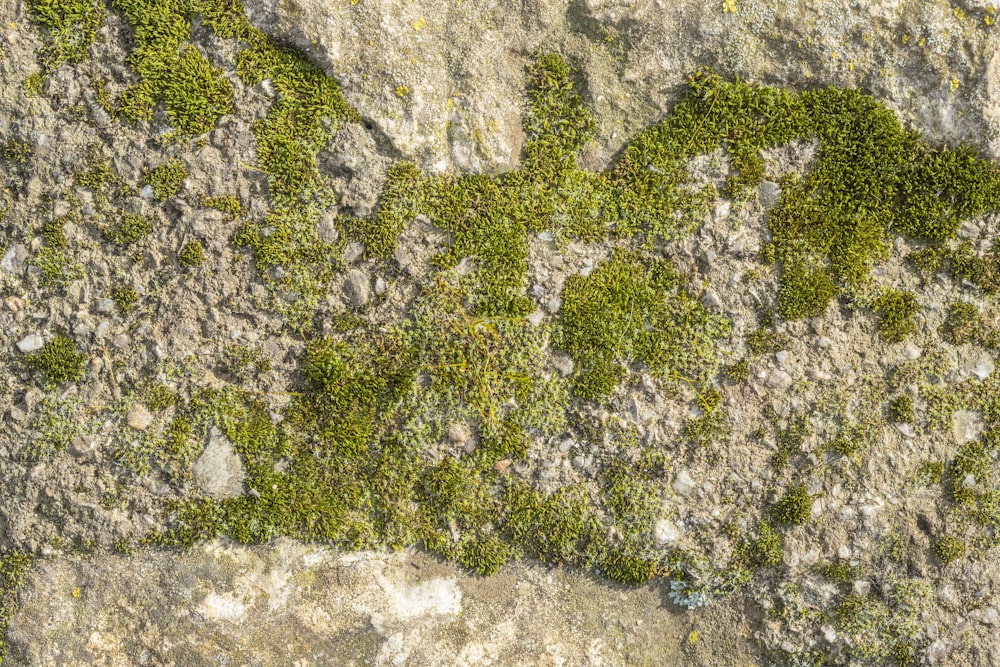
693 637
449 103
905 39
76 592
402 91
921 41
850 65
419 24
371 42
728 6
953 84
354 2
959 14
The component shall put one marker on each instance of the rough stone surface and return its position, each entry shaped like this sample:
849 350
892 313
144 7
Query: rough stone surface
297 604
219 471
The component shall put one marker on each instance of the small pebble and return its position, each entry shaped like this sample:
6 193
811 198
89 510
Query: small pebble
30 343
139 417
683 484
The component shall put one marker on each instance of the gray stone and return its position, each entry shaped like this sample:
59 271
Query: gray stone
357 288
30 343
139 417
219 471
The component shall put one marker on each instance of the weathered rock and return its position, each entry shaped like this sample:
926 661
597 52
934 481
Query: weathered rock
219 471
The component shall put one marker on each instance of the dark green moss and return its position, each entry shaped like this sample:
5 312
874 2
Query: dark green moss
764 549
57 361
191 255
948 549
627 568
130 229
738 372
193 93
166 179
765 339
901 409
793 508
896 315
125 297
228 204
13 568
633 309
961 324
71 27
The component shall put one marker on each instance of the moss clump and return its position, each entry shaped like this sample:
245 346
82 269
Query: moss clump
191 255
901 409
627 568
57 361
633 309
125 297
54 426
71 25
484 556
896 315
738 372
765 339
165 180
228 204
32 84
805 291
961 324
13 566
245 362
57 269
793 508
194 94
764 550
130 229
948 549
555 528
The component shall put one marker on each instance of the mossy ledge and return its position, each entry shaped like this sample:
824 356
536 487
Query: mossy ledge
349 462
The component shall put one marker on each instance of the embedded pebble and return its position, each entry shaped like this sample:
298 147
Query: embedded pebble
683 484
357 288
139 417
30 343
665 532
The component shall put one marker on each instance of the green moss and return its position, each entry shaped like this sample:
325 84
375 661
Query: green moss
228 204
841 572
54 426
765 340
793 508
901 409
555 528
627 568
403 197
948 549
191 255
484 556
961 324
32 84
763 550
71 27
193 93
13 567
896 311
130 229
738 372
57 361
245 362
804 292
166 179
125 297
633 309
